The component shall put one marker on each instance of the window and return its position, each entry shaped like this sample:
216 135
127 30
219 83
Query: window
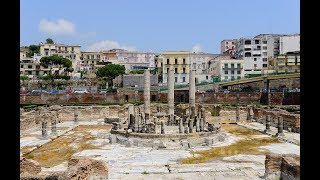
92 56
264 48
225 72
238 65
255 59
65 48
167 61
232 42
46 52
247 54
98 56
255 65
264 65
247 49
176 61
183 61
238 77
227 42
226 77
183 70
264 53
29 66
175 79
175 70
87 62
227 47
247 42
264 42
207 77
258 47
238 72
257 41
225 65
72 49
232 65
21 66
88 57
92 62
264 59
232 72
183 79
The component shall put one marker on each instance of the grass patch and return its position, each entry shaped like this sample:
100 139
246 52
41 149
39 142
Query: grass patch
248 146
214 112
145 172
60 150
26 149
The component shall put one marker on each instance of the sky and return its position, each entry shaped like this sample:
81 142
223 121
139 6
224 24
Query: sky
154 25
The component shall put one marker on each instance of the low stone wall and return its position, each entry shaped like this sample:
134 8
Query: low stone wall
289 120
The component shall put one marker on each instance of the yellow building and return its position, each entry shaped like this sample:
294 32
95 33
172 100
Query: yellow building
289 62
177 60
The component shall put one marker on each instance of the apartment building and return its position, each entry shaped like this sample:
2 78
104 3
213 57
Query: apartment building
225 68
179 61
200 62
32 68
289 43
131 60
228 46
90 61
71 52
289 62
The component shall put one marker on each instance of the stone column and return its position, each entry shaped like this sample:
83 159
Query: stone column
130 113
44 129
170 83
268 123
136 123
250 114
146 94
76 114
198 125
238 114
192 91
202 124
280 126
186 129
162 127
203 116
53 126
181 125
191 125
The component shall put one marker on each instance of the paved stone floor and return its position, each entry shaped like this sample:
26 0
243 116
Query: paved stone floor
147 163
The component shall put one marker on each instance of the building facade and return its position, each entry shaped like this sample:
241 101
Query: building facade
228 46
200 63
179 62
226 68
289 43
33 69
131 60
90 61
289 62
71 52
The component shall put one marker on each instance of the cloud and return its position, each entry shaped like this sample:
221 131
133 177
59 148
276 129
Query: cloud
61 27
196 48
108 44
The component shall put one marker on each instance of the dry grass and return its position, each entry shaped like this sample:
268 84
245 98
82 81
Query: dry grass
60 150
248 146
92 127
26 149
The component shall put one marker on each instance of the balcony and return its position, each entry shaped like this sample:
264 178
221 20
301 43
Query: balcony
232 68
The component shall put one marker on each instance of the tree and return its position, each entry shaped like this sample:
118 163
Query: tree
24 77
49 41
33 49
56 60
111 71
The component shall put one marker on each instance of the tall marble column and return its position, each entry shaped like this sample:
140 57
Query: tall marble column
146 94
170 83
192 91
268 118
238 114
280 126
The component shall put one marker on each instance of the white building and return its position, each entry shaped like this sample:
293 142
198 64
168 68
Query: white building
228 46
228 68
289 43
71 52
200 62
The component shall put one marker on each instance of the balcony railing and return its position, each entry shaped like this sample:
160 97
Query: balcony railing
232 68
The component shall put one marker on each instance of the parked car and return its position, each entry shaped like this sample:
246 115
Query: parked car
103 91
69 91
81 91
225 91
53 91
39 91
23 91
209 90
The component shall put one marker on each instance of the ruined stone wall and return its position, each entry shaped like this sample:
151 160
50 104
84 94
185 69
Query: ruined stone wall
290 120
181 96
278 166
